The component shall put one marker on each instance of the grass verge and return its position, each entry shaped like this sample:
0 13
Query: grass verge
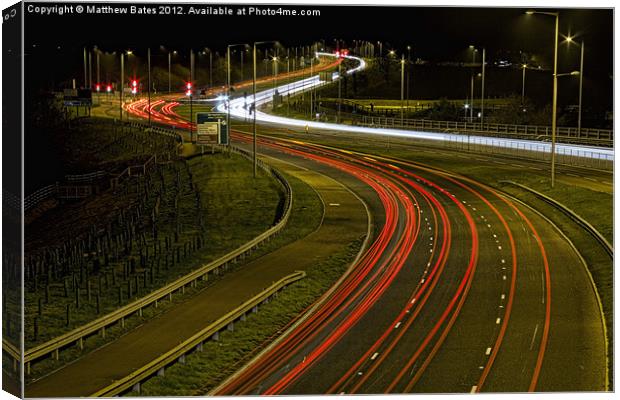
306 215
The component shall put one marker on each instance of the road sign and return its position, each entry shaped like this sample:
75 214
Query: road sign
211 128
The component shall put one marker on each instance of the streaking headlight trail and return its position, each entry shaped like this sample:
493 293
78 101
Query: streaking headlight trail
240 108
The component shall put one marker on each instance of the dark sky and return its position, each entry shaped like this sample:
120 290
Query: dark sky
435 33
54 43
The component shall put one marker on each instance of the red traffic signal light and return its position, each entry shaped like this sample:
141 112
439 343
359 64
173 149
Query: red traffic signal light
134 83
188 85
98 87
108 88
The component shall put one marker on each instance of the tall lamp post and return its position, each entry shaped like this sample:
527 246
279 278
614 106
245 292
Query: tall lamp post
254 103
210 66
482 90
169 72
524 66
122 87
148 63
408 74
170 54
228 82
582 45
471 100
555 87
402 90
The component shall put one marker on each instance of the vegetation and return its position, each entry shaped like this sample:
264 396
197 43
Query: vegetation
151 228
306 215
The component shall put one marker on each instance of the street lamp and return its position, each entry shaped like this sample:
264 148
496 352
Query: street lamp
228 82
471 110
482 90
288 89
275 72
408 73
555 87
582 45
402 90
313 89
210 66
122 88
170 54
148 63
254 102
524 67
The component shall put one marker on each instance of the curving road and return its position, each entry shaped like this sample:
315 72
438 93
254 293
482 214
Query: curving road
467 300
462 290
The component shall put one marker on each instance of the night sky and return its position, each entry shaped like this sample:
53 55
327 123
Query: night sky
435 33
54 43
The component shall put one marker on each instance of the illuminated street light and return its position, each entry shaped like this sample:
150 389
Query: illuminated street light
555 87
170 53
408 73
402 90
569 40
254 102
275 74
228 81
524 66
572 73
471 111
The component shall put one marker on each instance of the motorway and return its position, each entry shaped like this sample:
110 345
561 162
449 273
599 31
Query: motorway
462 289
472 298
340 225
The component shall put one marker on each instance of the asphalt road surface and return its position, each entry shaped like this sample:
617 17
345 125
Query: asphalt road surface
479 293
461 290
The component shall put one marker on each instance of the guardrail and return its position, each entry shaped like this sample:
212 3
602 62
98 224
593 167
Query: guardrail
587 136
64 192
13 353
38 196
77 335
77 191
572 215
156 129
86 177
133 380
73 192
531 150
602 136
131 171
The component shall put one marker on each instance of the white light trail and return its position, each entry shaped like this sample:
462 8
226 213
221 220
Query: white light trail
240 108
